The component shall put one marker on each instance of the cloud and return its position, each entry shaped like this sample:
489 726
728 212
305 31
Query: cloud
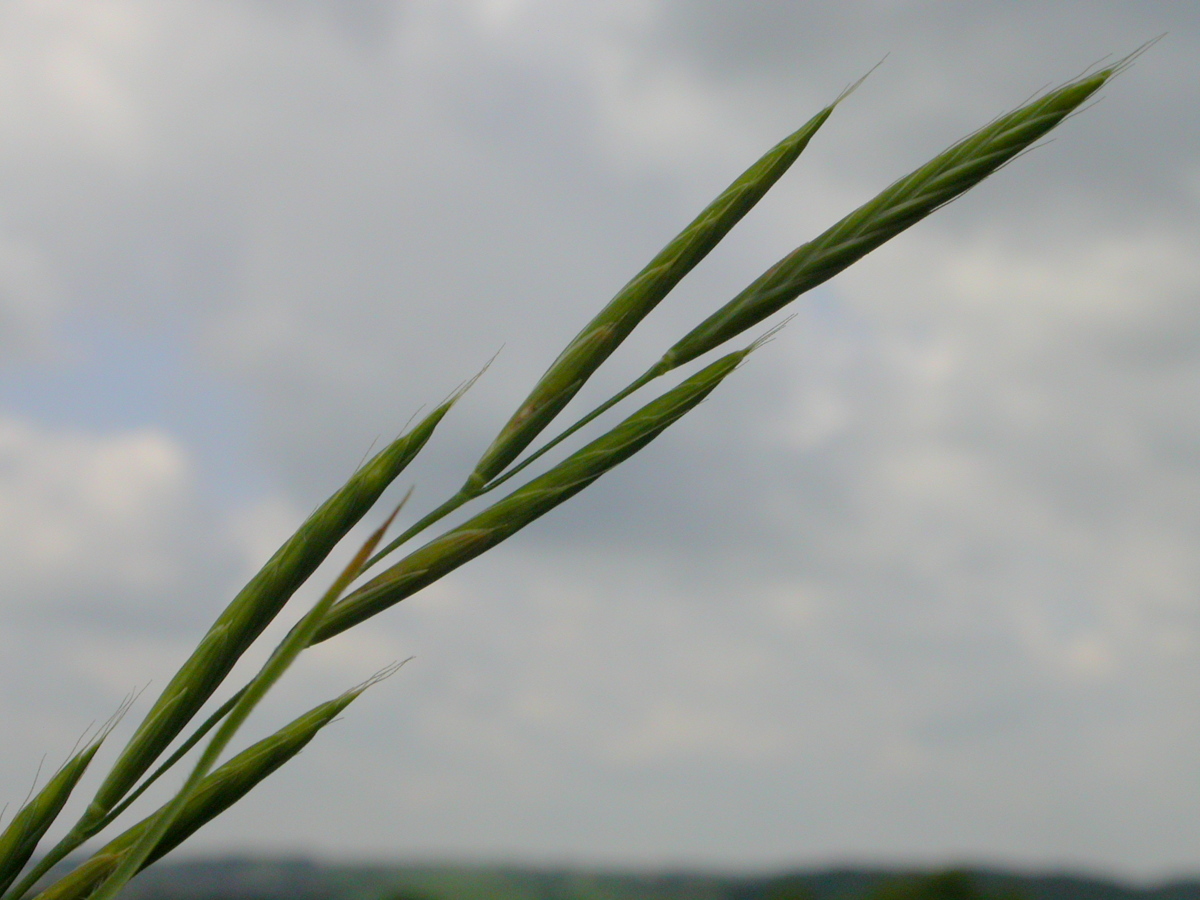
28 301
89 512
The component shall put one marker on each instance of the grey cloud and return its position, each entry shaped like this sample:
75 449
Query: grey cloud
957 64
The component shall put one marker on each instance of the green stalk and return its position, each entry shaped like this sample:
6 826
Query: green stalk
178 754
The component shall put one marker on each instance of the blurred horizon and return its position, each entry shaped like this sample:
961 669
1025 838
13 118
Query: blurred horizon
306 879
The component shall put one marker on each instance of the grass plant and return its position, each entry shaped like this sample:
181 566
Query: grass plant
210 788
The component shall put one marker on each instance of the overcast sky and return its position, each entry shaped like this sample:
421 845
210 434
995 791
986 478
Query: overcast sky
920 583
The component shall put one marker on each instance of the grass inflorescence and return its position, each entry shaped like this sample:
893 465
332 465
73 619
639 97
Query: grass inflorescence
210 788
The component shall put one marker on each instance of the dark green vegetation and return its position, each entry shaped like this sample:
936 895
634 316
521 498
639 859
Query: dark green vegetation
302 880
